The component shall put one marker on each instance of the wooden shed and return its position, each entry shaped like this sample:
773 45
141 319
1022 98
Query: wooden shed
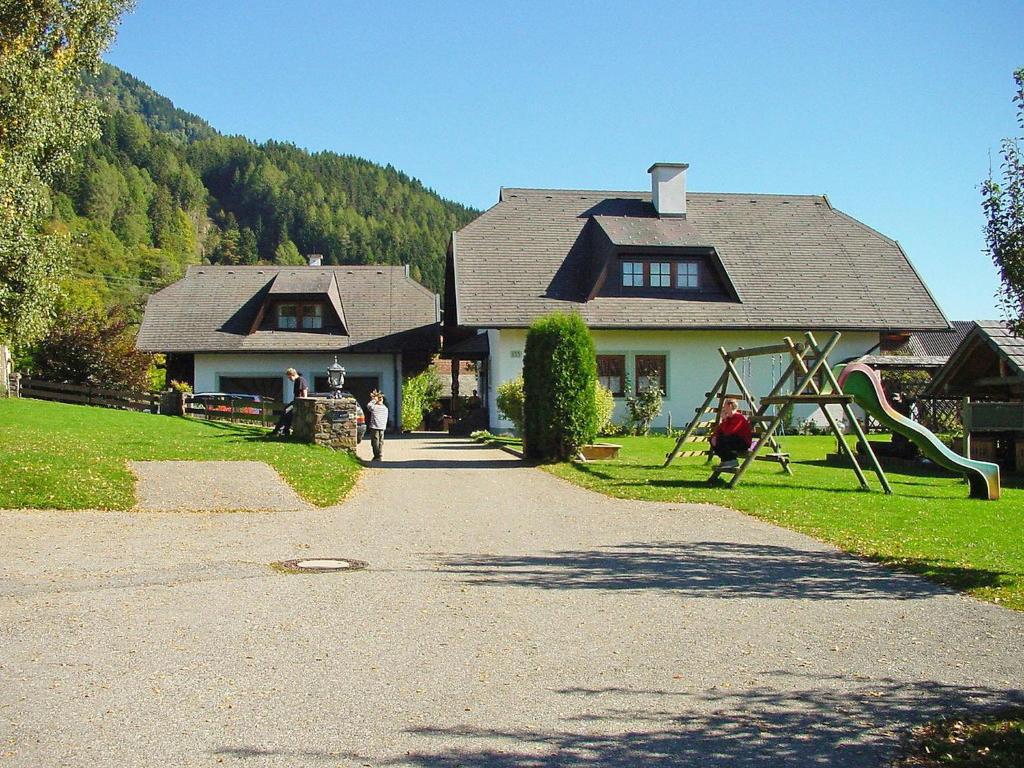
987 371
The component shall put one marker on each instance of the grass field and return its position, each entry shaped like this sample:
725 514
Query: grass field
58 456
928 526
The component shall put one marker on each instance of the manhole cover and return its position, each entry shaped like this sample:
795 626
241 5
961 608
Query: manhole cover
319 565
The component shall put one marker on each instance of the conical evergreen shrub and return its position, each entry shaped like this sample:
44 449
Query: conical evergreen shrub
559 374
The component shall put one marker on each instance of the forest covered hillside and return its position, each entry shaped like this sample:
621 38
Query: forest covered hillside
162 189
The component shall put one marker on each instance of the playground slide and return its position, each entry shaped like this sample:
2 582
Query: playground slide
863 383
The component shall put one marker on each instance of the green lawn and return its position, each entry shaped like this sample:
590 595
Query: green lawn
928 526
58 456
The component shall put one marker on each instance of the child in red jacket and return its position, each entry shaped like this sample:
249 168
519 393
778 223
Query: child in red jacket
732 435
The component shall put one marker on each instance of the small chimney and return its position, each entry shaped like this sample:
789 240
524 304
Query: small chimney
315 259
668 188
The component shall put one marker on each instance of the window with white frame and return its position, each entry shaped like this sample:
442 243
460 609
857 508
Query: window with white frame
300 316
650 373
687 274
611 373
287 316
632 274
313 316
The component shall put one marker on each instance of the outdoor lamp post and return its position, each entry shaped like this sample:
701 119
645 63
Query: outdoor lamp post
336 378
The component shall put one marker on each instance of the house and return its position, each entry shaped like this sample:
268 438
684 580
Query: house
665 277
238 329
987 371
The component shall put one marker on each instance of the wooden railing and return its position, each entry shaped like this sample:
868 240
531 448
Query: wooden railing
235 409
78 393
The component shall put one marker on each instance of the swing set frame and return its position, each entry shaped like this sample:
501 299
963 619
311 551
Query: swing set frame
809 363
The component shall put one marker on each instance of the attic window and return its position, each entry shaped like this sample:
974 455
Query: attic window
633 273
304 316
687 274
287 316
312 316
650 273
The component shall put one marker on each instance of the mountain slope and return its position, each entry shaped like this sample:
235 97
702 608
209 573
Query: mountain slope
162 189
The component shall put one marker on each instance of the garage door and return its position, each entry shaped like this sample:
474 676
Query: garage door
360 387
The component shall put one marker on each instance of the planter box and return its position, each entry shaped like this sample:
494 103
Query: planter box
599 451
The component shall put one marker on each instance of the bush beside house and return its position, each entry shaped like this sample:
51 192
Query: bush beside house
418 393
559 376
510 402
604 401
644 409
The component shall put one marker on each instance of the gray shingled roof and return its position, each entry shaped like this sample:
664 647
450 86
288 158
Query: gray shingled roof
943 342
650 230
1012 347
923 349
211 309
991 333
795 260
903 361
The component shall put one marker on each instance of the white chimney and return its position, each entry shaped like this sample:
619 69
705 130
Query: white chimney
315 259
668 188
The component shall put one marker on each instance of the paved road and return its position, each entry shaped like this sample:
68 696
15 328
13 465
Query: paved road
507 619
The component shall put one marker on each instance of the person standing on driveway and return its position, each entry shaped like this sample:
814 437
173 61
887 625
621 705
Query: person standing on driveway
300 388
378 422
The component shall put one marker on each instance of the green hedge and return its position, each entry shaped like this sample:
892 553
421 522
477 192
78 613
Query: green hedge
418 394
559 376
510 402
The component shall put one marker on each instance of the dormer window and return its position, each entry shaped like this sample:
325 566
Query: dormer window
687 274
287 316
649 273
633 274
661 274
312 316
291 317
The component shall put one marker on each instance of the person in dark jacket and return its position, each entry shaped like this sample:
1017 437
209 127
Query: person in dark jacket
732 436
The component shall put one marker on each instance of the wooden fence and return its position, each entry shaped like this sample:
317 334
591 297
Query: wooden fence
77 393
205 407
263 412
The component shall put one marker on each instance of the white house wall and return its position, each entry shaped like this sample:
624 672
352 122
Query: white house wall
693 364
210 367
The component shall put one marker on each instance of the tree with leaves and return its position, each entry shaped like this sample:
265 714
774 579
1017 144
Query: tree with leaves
1003 203
45 46
94 347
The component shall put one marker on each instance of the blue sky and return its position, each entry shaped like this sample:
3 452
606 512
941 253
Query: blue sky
891 109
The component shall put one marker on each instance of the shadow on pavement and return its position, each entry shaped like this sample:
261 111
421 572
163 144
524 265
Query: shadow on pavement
797 721
759 727
702 569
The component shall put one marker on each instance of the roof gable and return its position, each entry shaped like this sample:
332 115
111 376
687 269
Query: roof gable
990 352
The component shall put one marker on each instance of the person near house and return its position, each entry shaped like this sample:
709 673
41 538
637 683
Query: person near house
377 423
732 436
300 388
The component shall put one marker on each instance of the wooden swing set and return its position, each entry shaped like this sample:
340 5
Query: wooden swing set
809 365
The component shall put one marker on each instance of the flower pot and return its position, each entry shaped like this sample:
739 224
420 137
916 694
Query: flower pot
599 451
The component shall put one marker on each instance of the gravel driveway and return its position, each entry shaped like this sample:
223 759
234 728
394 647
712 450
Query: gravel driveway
507 619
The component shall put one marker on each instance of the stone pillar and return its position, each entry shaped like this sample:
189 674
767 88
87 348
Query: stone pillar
172 403
326 421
